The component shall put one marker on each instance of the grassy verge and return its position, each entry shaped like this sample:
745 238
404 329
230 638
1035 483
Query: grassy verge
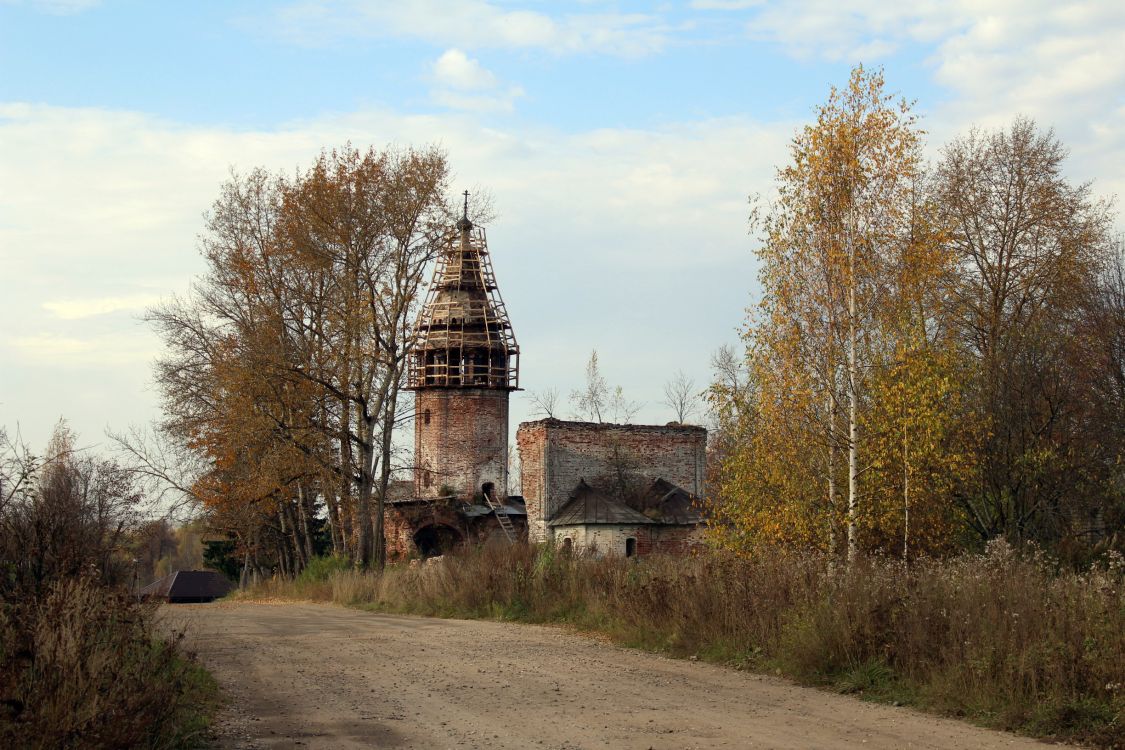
1005 641
83 666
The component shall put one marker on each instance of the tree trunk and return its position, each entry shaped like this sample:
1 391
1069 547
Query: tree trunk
831 470
303 502
390 407
853 427
295 533
244 577
335 530
366 483
346 473
905 496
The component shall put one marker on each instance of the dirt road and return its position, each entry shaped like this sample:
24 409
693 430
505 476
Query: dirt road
310 676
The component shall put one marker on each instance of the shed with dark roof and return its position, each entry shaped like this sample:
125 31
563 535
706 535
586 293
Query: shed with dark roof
661 517
667 503
588 505
188 586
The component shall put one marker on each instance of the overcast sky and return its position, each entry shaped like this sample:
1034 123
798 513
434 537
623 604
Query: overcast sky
619 142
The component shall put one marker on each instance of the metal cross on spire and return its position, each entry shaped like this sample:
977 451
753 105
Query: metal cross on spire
464 224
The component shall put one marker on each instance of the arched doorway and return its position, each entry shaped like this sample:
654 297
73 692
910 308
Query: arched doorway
436 539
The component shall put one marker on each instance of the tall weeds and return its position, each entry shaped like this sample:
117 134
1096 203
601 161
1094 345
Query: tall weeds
81 667
1005 640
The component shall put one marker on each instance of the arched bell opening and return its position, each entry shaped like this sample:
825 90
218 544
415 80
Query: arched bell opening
437 539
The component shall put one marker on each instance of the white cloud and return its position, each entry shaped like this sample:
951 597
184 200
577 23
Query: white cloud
473 24
464 84
50 345
56 7
1060 63
497 101
54 349
725 4
457 70
645 228
620 221
76 309
850 30
129 190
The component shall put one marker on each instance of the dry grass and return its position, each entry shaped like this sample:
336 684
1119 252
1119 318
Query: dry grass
1004 640
81 667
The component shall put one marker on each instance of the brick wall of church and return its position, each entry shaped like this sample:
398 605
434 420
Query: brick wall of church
610 539
460 441
555 455
401 521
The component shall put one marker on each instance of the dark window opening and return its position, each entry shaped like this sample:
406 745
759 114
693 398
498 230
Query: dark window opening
436 539
567 545
426 416
630 547
426 478
487 488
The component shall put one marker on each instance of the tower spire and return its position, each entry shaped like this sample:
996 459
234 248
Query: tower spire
463 338
464 224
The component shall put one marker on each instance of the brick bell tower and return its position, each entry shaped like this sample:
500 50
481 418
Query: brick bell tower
464 365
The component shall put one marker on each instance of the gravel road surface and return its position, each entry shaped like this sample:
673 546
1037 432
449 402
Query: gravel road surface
315 676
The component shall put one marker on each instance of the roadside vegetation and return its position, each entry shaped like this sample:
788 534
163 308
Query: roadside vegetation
82 663
1005 640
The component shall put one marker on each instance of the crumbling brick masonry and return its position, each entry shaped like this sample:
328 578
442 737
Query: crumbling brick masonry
556 455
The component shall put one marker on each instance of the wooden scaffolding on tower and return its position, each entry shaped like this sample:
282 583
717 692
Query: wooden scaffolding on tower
463 337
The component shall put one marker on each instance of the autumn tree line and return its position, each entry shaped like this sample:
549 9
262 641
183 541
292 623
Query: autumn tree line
936 359
938 355
285 364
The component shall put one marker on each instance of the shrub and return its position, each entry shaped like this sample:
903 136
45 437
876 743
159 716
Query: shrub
81 668
83 665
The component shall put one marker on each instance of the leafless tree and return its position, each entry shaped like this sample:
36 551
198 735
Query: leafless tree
595 402
729 370
18 467
681 396
66 513
166 469
515 476
545 403
622 410
591 401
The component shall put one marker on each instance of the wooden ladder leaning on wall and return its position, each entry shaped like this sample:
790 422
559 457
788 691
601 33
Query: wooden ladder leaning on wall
501 516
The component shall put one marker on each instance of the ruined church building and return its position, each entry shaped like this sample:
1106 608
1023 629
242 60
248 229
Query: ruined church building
604 488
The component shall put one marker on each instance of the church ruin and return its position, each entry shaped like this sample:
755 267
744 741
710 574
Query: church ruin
612 489
616 489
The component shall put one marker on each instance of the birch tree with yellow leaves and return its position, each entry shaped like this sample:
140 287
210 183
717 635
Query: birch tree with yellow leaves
850 270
